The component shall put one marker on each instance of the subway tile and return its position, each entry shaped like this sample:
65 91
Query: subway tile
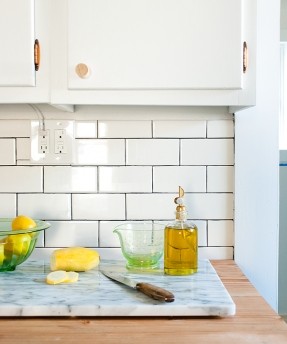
179 129
8 205
45 206
212 206
21 179
15 128
99 152
70 179
207 152
86 129
40 241
110 253
215 252
23 149
127 129
72 233
42 254
202 232
190 178
125 179
7 152
152 152
220 128
220 233
220 179
106 236
98 207
150 206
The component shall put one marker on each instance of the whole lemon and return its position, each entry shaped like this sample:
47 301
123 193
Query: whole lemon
23 222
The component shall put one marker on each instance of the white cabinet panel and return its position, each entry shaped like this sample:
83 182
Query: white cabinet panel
155 44
17 43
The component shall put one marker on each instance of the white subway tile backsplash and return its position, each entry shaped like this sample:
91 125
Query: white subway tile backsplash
152 152
215 253
72 233
98 206
8 205
190 178
125 179
23 149
210 205
150 206
70 179
202 232
106 236
179 129
127 129
220 233
220 128
21 179
207 152
100 152
220 178
15 128
40 240
124 170
7 152
86 129
45 206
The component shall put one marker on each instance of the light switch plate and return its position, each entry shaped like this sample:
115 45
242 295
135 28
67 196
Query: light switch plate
53 144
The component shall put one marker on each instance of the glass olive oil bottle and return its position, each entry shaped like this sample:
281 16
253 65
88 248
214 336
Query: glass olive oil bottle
180 243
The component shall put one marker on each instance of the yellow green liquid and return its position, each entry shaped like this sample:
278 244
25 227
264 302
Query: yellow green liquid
143 261
180 251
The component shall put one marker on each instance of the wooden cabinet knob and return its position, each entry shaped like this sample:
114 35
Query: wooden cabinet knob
82 70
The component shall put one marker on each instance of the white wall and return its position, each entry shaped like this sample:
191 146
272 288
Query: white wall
257 164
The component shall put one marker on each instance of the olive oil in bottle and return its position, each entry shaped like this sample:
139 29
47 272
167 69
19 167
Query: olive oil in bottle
180 243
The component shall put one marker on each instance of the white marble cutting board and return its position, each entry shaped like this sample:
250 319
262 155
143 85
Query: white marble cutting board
23 292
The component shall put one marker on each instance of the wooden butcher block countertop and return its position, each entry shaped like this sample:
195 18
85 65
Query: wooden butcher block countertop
254 322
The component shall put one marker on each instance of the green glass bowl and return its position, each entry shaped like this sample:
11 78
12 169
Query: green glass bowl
17 245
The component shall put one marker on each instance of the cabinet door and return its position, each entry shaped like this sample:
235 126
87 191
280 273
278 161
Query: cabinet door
155 44
17 43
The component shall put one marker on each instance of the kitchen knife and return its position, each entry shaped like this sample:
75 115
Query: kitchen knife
150 290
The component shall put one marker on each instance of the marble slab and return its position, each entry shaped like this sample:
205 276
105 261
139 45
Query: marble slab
24 292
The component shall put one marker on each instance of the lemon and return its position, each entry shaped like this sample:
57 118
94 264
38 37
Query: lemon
57 277
18 244
2 256
74 259
23 222
61 276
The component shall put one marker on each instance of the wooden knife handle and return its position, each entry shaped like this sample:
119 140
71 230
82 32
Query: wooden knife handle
155 292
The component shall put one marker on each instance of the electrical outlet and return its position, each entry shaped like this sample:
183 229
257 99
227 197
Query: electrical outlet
60 141
44 141
53 145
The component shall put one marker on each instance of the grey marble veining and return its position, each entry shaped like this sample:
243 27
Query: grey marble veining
24 292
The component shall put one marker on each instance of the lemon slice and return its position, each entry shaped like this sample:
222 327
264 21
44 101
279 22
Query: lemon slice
72 277
57 277
61 276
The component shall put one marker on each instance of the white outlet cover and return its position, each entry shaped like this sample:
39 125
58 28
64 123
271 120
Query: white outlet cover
50 157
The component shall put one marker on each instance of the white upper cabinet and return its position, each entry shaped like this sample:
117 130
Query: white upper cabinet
24 32
153 52
154 44
17 37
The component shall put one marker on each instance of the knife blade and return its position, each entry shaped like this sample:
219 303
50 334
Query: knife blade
148 289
